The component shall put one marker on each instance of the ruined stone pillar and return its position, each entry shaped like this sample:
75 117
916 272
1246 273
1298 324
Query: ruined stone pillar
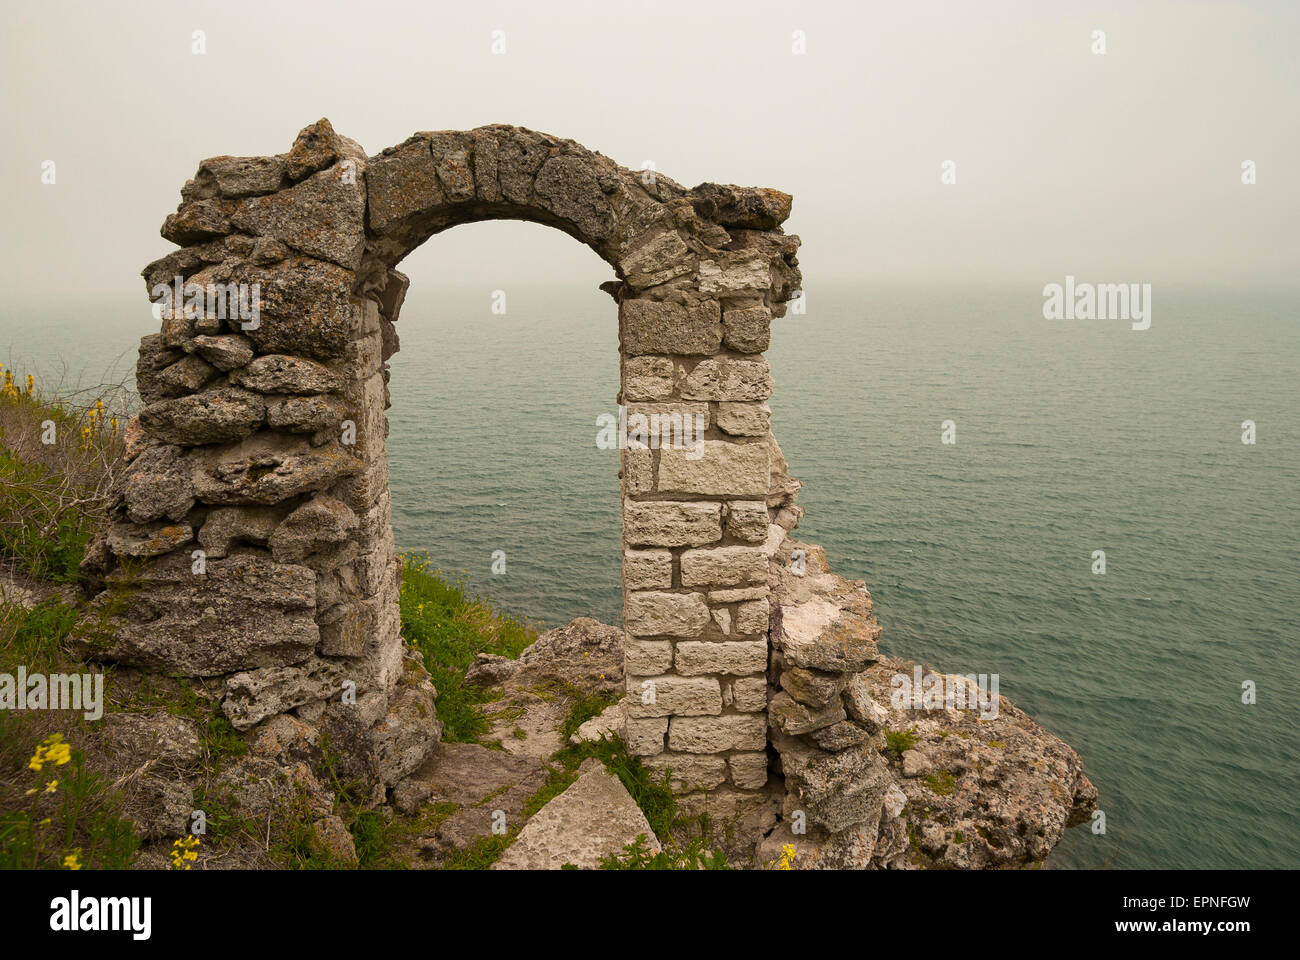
251 544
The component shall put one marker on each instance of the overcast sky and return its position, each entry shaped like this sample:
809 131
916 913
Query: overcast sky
1117 167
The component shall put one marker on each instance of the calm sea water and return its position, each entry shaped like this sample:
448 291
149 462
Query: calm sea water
1071 437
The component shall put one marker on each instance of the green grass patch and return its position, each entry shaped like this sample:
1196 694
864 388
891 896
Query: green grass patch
45 538
449 627
898 741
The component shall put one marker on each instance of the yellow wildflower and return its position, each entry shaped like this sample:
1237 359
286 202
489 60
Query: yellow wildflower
72 861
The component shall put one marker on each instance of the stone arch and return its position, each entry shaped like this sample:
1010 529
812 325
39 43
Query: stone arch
252 530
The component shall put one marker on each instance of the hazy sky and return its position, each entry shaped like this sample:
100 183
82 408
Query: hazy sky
1117 167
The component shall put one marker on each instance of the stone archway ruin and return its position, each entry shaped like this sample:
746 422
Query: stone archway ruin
252 533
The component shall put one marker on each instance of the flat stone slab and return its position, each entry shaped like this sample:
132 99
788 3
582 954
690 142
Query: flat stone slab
595 817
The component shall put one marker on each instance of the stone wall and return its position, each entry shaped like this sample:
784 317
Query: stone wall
252 544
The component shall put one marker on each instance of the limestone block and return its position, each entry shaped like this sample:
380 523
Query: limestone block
671 524
723 468
214 416
649 327
668 695
747 520
644 737
647 657
653 613
752 617
749 694
698 734
688 772
751 419
748 770
747 329
728 380
647 569
647 378
723 567
740 657
280 373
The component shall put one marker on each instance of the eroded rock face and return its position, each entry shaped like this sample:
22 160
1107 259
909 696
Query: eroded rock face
876 782
245 612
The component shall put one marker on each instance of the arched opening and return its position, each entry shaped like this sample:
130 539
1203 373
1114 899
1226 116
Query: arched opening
509 353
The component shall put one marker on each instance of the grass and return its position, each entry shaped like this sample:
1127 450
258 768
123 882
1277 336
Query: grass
57 468
899 741
450 627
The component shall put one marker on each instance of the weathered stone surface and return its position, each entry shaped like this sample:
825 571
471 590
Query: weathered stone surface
792 717
647 378
246 612
748 329
644 737
322 217
755 208
594 818
723 566
687 772
655 613
839 736
716 734
148 540
236 177
669 524
214 416
311 414
402 185
186 375
744 419
651 327
861 707
734 657
223 352
195 222
812 687
747 520
567 187
748 770
267 468
723 468
749 694
305 307
277 373
647 569
158 483
583 652
316 146
670 695
605 725
254 695
227 526
738 274
647 657
314 531
729 380
410 729
752 617
836 790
